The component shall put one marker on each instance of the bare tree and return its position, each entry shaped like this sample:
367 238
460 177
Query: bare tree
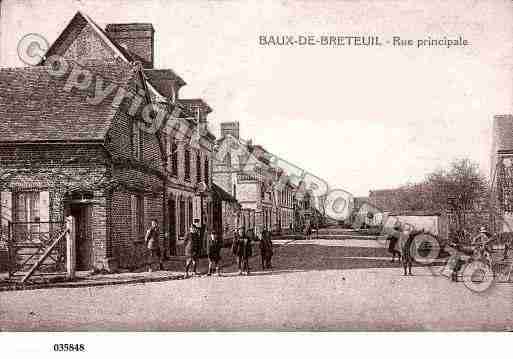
462 188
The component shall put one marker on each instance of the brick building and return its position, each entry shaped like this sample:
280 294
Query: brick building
304 210
246 172
64 153
226 212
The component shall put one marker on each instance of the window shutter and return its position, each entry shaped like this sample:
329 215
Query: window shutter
44 210
44 206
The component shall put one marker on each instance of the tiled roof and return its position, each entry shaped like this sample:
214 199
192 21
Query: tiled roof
159 79
193 103
129 26
77 23
34 106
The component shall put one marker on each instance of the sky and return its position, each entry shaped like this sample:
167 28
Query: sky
362 118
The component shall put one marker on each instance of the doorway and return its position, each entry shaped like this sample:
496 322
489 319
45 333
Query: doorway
83 236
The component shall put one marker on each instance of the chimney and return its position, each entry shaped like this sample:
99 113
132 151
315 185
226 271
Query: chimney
136 39
231 128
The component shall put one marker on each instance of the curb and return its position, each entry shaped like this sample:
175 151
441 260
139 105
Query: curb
88 283
108 282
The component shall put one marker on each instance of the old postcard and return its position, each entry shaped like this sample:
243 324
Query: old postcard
256 166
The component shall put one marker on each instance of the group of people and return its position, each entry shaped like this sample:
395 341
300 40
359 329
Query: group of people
242 248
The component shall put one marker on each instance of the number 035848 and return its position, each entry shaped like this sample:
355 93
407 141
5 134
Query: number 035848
69 348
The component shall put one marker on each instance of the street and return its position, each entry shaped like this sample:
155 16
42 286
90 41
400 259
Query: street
315 285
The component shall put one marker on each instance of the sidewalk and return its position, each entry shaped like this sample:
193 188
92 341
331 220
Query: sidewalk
88 279
173 269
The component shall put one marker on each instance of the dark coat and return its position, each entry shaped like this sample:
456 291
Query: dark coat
235 245
406 246
152 238
266 247
245 247
393 238
214 249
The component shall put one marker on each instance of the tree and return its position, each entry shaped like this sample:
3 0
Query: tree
461 187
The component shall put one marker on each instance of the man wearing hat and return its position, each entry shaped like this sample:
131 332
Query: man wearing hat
479 242
482 238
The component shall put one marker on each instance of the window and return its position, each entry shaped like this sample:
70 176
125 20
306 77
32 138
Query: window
198 167
235 191
137 216
137 141
27 209
187 164
190 212
174 158
182 218
207 171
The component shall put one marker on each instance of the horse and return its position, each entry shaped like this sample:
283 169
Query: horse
393 245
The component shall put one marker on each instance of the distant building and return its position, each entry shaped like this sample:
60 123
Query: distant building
245 171
386 200
226 213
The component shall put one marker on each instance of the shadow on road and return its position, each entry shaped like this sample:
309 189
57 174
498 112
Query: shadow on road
313 257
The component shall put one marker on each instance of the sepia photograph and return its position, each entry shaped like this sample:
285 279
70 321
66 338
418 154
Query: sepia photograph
255 166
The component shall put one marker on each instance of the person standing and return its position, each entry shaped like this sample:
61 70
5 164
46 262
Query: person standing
191 244
151 239
236 247
266 250
393 239
214 254
407 241
245 252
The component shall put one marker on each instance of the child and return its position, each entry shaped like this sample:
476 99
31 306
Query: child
214 254
266 250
